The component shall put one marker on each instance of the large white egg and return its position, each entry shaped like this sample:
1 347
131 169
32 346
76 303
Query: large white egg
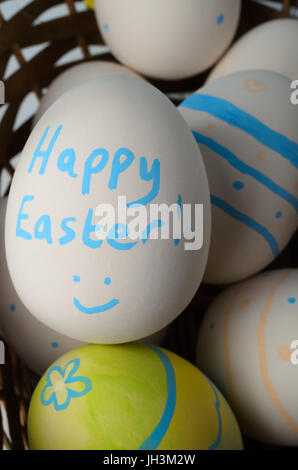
247 130
269 46
76 75
37 345
112 137
168 39
248 345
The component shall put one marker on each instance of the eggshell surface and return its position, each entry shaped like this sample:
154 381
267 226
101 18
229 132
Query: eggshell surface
246 128
134 145
76 75
270 46
248 345
169 39
91 397
37 345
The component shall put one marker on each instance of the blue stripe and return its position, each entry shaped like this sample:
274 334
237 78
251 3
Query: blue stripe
226 111
217 407
154 440
245 219
179 204
246 169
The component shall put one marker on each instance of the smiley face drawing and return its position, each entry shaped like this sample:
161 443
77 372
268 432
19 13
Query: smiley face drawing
99 308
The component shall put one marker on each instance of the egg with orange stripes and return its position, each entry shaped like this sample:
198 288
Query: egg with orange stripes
247 131
248 345
128 397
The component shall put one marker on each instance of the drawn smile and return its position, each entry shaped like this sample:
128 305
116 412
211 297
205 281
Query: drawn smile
99 308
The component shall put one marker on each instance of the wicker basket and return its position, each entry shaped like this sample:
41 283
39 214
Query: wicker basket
77 28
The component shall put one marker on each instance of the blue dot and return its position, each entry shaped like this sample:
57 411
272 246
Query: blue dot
106 27
220 19
55 345
76 278
212 326
278 215
292 300
107 281
238 185
12 307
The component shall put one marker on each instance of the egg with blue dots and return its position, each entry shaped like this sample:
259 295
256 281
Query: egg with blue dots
269 46
169 39
103 390
248 345
86 153
246 128
75 76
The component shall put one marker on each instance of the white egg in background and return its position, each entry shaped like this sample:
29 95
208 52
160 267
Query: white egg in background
76 75
247 130
270 46
168 39
114 136
248 345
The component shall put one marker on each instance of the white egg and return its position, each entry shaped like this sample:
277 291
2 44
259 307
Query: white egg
248 345
247 130
269 46
37 345
76 75
128 144
168 39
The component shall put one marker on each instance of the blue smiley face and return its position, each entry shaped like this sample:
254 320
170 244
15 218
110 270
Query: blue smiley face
99 308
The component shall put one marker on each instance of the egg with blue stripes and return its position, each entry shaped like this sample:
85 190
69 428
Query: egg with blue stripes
128 397
247 130
248 345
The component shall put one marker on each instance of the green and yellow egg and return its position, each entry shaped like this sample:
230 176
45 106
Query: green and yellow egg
128 397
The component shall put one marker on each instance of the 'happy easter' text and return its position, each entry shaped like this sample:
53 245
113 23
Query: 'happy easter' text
94 164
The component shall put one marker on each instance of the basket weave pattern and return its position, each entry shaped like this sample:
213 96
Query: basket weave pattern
78 29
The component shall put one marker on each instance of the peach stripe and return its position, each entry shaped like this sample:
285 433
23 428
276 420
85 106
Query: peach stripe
228 313
262 355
